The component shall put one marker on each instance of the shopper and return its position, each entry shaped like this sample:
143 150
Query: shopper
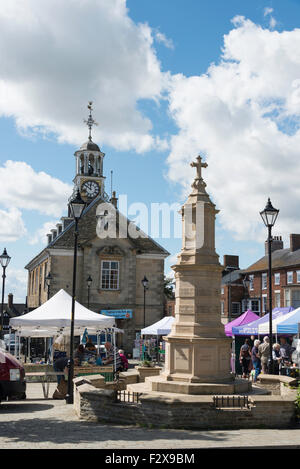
264 353
256 359
124 360
276 358
245 358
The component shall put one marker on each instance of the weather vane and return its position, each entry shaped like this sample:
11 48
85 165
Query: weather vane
90 121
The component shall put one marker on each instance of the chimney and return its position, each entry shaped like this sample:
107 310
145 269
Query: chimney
59 228
294 242
10 300
65 222
49 236
231 262
54 234
276 244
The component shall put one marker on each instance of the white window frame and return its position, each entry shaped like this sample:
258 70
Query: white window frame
289 277
264 303
287 297
110 288
222 308
276 293
251 279
277 278
264 281
298 276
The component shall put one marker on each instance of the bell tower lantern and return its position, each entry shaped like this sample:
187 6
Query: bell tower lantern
89 165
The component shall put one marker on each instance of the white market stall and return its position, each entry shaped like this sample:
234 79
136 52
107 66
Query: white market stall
263 328
151 346
53 318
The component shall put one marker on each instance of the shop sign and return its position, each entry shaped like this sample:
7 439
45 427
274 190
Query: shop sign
118 313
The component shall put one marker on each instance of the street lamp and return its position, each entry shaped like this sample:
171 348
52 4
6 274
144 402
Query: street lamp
77 205
269 216
145 283
4 260
89 282
48 280
246 283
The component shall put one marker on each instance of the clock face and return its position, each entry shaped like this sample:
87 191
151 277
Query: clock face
91 188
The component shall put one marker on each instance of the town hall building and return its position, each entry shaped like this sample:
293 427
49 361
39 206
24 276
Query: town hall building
110 270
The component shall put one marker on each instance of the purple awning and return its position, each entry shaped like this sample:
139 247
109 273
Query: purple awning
245 318
252 327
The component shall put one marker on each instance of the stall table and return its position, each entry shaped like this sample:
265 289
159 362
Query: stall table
106 371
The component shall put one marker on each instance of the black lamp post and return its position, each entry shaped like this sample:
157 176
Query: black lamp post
77 205
145 283
246 283
89 282
269 216
4 260
48 280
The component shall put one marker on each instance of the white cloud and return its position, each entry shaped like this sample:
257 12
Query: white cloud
57 55
16 283
161 38
23 188
12 226
40 235
268 11
243 115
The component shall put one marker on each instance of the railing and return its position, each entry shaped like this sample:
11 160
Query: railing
129 397
231 401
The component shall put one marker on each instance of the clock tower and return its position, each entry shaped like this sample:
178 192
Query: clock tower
89 177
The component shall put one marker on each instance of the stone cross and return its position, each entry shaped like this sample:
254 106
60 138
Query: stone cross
198 164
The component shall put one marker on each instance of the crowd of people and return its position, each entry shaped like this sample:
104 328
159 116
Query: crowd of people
254 357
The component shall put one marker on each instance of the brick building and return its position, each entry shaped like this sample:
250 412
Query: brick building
285 281
116 264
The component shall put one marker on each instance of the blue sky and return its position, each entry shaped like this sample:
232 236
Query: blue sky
158 101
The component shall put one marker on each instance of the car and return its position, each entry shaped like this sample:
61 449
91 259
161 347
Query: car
12 377
9 340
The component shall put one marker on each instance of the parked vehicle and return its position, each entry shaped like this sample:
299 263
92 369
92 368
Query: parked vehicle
9 340
12 377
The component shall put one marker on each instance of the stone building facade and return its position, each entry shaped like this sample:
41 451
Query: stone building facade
116 264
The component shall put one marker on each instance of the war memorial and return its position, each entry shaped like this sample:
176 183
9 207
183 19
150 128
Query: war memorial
196 389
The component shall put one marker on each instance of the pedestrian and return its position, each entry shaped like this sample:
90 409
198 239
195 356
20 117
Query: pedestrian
90 347
264 353
245 358
59 365
276 358
124 360
256 359
286 351
79 355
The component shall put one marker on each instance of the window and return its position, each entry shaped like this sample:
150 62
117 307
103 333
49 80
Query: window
264 303
251 279
289 276
295 298
298 276
287 298
255 306
110 275
222 307
277 299
222 291
277 279
235 309
264 281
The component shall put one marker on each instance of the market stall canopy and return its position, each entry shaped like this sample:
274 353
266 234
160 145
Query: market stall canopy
162 327
290 325
245 318
264 328
252 327
56 314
